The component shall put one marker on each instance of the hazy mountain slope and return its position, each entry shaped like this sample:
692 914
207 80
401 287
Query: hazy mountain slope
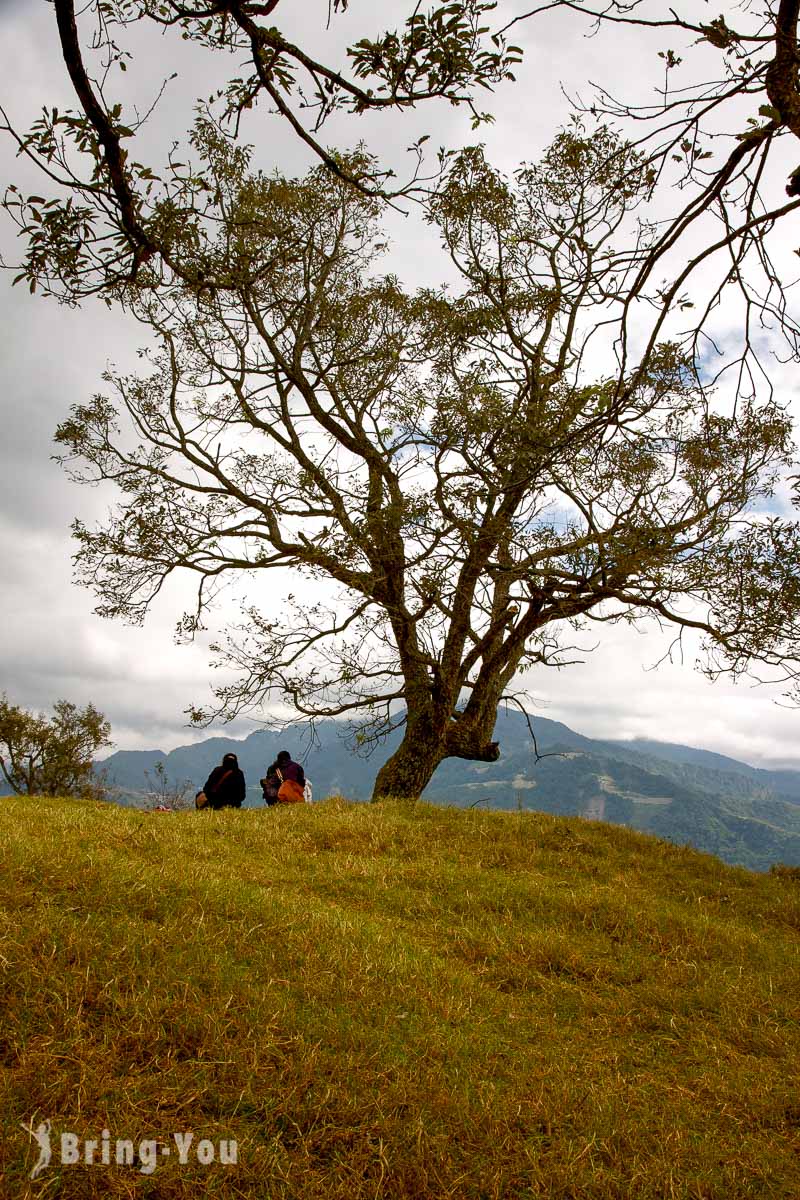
784 783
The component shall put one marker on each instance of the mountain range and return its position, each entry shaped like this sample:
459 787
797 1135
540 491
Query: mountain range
747 816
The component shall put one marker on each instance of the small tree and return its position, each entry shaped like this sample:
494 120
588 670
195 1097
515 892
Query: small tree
168 793
449 460
55 756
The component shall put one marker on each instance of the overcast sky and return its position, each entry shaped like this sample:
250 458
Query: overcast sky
51 643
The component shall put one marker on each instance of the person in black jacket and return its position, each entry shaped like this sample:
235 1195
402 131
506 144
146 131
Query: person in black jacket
225 786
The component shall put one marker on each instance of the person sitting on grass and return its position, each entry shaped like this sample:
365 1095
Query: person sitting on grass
292 777
225 786
270 785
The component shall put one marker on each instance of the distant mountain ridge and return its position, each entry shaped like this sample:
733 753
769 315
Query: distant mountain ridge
782 781
746 815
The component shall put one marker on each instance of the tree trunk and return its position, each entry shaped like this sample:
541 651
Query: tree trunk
410 769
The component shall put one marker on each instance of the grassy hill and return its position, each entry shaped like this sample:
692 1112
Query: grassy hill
395 1001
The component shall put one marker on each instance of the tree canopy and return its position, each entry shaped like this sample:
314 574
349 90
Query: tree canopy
52 756
703 112
711 146
115 212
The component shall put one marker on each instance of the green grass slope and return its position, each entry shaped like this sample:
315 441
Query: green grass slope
394 1002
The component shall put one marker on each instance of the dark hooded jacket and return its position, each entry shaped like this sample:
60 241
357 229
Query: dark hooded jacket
225 786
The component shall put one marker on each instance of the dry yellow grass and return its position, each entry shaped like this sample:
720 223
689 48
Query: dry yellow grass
395 1001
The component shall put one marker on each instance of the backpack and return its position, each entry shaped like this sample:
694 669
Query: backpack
290 792
269 789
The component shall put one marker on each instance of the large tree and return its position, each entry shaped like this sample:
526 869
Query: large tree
471 468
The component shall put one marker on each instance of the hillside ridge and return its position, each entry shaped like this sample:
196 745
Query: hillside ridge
748 816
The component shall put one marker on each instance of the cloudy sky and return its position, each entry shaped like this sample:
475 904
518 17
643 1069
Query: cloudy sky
51 643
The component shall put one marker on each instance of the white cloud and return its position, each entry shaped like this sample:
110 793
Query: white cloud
619 692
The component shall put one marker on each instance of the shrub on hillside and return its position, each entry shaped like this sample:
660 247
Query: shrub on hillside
52 756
